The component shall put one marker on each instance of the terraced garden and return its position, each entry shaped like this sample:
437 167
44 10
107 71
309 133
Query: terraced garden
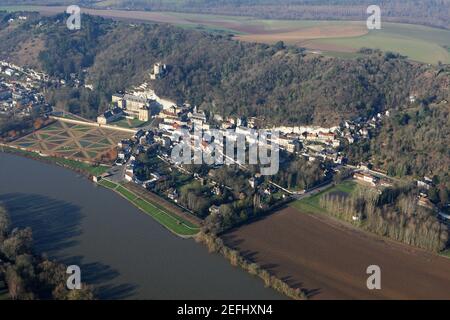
74 141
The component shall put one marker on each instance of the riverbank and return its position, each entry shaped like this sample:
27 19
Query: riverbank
121 252
83 168
172 222
175 224
217 245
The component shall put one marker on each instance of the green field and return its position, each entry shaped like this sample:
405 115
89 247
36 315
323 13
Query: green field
446 253
127 194
93 170
171 221
335 38
419 43
311 204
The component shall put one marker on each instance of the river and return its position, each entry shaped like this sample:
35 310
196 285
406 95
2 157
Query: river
122 252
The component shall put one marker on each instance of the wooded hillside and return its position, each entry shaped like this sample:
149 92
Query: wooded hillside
278 83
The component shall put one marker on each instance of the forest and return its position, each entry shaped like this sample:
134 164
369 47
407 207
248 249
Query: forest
413 142
29 276
280 84
394 213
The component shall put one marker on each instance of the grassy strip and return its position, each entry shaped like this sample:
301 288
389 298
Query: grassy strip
184 221
445 253
68 163
170 221
165 219
107 184
127 194
93 170
311 204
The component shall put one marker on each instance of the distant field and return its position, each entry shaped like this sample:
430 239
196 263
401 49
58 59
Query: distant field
335 38
418 43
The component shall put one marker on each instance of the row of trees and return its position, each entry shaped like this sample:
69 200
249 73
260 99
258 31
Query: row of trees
215 244
27 275
428 12
394 213
300 174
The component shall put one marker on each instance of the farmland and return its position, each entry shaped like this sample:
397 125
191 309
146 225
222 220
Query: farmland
330 258
418 43
334 38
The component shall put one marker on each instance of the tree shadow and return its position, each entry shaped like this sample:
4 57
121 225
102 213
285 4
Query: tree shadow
297 284
56 225
234 241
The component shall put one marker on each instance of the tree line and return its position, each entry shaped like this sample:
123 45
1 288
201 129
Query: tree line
427 12
29 276
393 213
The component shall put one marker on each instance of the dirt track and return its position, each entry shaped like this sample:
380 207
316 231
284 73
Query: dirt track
330 258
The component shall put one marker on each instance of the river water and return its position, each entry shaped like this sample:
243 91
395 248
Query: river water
122 252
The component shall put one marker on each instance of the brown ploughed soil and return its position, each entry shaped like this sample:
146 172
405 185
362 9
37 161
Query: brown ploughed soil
330 258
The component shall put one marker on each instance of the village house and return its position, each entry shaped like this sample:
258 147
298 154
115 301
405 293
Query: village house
110 116
129 176
424 201
172 194
169 115
214 209
366 177
385 183
197 117
255 181
288 143
423 184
